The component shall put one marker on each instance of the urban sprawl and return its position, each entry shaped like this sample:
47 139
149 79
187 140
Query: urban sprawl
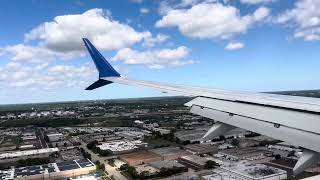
150 138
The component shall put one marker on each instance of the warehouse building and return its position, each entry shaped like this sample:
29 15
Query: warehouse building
55 137
170 153
247 171
245 154
201 149
121 147
193 161
59 170
17 155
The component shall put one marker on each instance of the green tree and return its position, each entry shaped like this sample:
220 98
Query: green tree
235 142
210 164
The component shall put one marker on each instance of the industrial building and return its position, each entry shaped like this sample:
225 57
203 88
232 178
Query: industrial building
245 171
55 137
17 155
245 154
193 161
170 153
167 164
201 149
51 171
121 147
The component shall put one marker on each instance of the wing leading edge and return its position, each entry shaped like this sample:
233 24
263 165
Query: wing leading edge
292 119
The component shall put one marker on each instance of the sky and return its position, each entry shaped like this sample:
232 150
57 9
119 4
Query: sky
247 45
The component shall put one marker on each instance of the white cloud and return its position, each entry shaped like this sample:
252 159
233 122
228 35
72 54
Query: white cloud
234 46
64 33
256 1
144 10
21 52
43 77
155 59
151 41
305 17
213 21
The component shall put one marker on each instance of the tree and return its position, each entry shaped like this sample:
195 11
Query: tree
65 144
210 164
235 142
222 138
186 142
102 167
97 163
278 156
291 153
124 167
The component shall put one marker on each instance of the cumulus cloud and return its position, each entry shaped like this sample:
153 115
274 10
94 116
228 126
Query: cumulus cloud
305 17
256 1
20 75
234 46
156 58
212 20
144 10
151 41
34 64
64 33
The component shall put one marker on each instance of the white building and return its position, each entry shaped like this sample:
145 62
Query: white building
16 155
120 147
246 171
55 137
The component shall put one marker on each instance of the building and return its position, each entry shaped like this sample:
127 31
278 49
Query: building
161 131
191 135
121 147
170 153
246 171
61 170
193 161
168 164
147 168
17 155
55 137
201 149
141 157
245 154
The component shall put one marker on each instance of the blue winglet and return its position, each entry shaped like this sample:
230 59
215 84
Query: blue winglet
104 68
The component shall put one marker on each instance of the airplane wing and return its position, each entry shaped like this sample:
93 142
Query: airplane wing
292 119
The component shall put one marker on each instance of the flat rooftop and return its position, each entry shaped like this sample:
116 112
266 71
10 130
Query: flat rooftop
117 146
15 154
201 148
195 159
44 169
169 151
253 170
243 151
166 164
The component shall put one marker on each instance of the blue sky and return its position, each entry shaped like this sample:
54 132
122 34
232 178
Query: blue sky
251 45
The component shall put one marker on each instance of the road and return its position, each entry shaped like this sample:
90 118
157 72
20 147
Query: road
43 143
109 169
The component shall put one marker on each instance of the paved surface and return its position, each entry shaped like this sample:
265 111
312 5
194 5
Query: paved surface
43 143
109 169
